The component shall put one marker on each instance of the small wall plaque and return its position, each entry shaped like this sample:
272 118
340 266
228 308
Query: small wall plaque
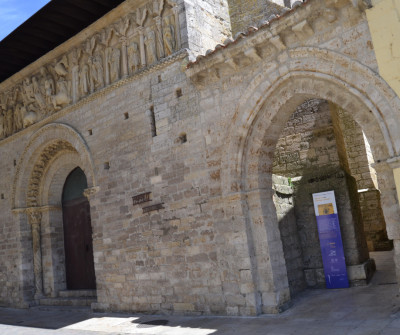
153 208
141 198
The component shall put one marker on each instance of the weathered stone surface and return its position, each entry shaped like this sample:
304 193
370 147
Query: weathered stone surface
201 138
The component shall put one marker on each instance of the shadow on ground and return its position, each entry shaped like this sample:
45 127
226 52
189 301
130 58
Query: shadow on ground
372 310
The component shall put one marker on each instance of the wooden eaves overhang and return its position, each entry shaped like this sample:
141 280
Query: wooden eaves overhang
51 26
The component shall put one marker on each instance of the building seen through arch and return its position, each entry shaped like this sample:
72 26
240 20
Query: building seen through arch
161 157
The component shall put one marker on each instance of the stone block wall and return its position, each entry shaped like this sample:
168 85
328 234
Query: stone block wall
384 24
292 248
244 14
208 23
307 142
356 159
311 156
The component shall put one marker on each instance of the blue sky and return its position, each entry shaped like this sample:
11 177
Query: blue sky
15 12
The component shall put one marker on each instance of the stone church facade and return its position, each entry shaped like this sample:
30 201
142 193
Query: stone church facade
195 148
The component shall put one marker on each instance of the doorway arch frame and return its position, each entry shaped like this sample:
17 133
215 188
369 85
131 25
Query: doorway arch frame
260 116
50 155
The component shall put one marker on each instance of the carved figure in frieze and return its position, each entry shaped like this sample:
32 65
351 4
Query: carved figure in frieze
27 91
62 97
38 93
160 42
30 116
134 57
123 26
19 114
158 7
141 16
84 79
151 52
3 107
74 57
97 71
114 61
9 122
61 67
3 101
169 37
49 86
1 124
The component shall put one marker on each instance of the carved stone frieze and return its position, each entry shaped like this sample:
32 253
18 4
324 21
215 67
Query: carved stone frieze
139 39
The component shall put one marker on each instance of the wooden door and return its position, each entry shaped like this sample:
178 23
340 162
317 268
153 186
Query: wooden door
78 241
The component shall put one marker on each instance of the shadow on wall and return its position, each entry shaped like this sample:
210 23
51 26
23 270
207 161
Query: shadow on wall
299 233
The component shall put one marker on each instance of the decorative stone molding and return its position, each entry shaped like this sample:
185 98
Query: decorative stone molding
38 171
253 54
277 42
303 30
137 40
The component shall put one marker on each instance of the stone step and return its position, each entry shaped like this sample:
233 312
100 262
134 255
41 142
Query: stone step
67 301
48 308
77 294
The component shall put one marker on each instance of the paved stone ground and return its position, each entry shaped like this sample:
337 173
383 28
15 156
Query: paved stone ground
370 310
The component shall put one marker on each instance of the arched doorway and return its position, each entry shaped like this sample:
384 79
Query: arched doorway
78 241
261 115
321 148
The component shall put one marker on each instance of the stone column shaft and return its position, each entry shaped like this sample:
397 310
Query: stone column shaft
124 51
35 218
142 52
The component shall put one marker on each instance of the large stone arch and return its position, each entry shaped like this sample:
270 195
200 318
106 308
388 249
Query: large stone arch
261 114
50 155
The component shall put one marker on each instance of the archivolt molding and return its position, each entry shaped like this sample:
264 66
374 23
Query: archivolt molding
41 165
44 145
318 73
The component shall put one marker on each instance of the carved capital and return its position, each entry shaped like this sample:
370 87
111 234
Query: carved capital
90 192
34 216
123 40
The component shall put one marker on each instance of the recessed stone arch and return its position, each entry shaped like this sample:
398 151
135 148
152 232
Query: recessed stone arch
51 154
261 114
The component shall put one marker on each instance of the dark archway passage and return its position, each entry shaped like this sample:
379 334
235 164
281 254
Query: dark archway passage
77 233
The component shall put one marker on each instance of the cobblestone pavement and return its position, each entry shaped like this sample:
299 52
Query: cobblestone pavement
370 310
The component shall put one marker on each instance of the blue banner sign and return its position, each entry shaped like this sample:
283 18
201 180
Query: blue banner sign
330 240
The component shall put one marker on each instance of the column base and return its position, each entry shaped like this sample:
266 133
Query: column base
359 275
